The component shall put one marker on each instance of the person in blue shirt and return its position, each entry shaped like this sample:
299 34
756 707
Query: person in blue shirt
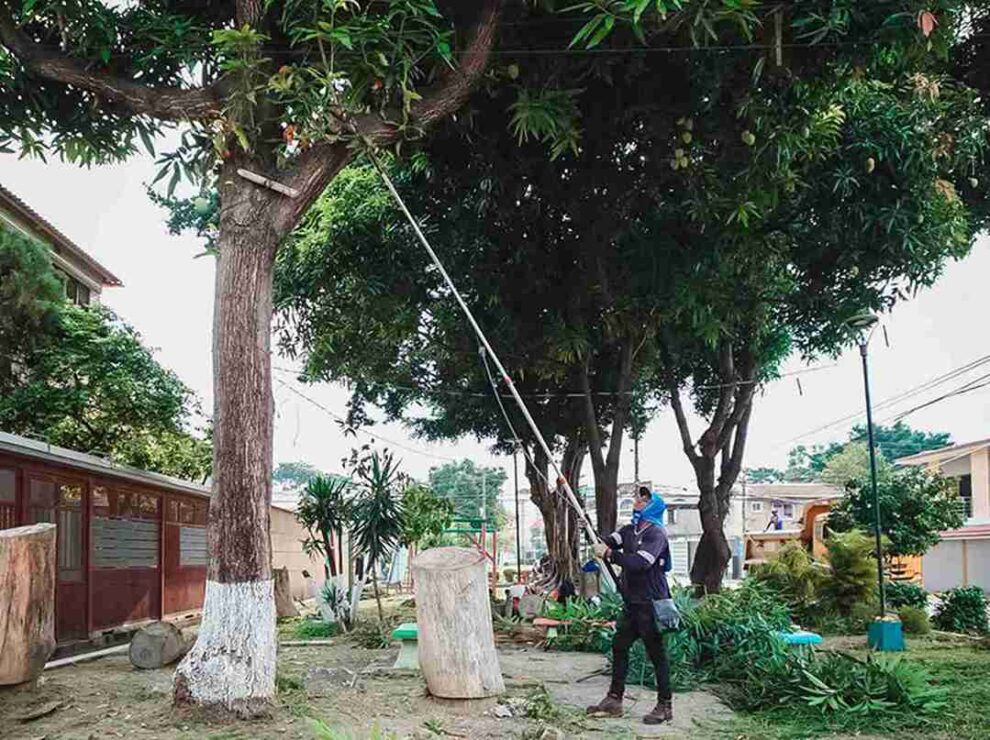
642 551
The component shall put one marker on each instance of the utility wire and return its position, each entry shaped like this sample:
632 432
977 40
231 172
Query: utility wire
342 420
893 400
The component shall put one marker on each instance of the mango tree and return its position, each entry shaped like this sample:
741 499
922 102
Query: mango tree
273 99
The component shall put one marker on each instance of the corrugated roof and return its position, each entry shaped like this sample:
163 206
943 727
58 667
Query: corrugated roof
39 450
45 229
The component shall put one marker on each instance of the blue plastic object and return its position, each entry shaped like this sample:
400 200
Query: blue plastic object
590 567
800 638
885 636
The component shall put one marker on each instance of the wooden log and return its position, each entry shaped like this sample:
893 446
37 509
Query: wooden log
157 645
456 639
27 591
284 605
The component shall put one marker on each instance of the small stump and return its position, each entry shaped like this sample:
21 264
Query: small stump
454 619
156 645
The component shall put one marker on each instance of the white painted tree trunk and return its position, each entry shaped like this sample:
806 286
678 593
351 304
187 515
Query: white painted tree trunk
453 612
232 665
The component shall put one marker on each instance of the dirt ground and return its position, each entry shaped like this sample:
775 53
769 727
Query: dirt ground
354 692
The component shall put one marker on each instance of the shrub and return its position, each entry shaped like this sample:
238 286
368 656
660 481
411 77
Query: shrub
963 610
586 629
915 620
905 593
795 577
729 639
852 571
314 629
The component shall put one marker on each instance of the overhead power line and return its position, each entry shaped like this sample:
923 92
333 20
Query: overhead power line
342 420
928 385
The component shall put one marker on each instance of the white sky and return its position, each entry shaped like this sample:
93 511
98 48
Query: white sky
168 297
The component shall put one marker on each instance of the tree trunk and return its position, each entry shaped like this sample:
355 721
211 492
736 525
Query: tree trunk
713 553
284 605
560 522
27 617
232 665
726 437
605 465
378 597
453 612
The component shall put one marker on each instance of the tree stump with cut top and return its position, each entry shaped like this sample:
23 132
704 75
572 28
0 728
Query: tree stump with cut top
157 645
284 605
454 618
27 595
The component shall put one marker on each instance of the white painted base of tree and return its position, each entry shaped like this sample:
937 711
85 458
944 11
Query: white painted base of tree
232 665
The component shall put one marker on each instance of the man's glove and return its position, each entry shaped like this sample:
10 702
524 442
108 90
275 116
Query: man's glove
601 550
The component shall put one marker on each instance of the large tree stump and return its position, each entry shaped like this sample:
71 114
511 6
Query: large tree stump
27 595
284 605
157 645
456 639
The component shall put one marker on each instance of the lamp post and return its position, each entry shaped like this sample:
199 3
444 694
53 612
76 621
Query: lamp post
862 323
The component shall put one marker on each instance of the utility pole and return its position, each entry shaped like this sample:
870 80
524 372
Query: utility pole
863 323
515 470
636 458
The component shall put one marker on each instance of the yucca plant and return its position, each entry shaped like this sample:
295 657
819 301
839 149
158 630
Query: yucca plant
325 510
377 521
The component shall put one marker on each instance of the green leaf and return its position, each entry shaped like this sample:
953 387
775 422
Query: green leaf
176 174
146 140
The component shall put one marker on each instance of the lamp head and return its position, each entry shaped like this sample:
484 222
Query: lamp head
862 321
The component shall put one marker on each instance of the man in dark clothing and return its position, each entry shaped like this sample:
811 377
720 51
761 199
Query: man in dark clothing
642 551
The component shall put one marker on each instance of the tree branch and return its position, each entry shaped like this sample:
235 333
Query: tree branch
169 103
622 405
320 164
591 423
682 423
726 375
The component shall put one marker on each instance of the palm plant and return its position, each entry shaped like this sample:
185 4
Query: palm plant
377 515
325 510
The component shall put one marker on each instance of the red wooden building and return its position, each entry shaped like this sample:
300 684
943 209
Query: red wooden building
131 544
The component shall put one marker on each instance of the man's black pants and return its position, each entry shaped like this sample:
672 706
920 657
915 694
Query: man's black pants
637 623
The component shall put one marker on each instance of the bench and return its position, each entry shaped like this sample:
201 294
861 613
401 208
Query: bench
408 634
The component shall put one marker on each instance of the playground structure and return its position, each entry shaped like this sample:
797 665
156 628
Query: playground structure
476 530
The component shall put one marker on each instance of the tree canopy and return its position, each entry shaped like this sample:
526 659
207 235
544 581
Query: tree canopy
81 378
684 239
892 442
916 505
30 295
466 485
93 386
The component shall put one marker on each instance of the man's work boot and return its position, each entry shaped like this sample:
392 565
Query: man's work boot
610 706
662 712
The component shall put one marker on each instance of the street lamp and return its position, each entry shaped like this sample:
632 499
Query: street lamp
862 323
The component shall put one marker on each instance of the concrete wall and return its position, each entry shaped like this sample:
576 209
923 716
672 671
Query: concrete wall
955 563
287 552
979 466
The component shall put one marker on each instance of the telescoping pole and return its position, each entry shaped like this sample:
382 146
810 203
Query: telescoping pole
589 530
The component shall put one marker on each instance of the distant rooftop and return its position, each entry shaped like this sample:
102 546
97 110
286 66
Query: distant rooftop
937 455
43 229
39 450
793 491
